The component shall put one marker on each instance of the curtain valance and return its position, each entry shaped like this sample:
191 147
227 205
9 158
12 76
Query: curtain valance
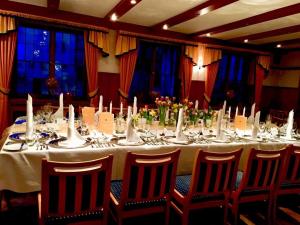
211 55
7 24
100 40
264 61
192 52
125 44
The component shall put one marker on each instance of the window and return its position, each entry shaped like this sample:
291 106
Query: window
37 49
156 71
233 80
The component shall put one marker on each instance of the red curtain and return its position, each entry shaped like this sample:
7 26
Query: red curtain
259 78
186 71
127 66
7 52
211 74
91 60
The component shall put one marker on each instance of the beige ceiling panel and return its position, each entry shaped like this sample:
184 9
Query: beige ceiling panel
150 12
277 38
261 27
231 13
98 8
33 2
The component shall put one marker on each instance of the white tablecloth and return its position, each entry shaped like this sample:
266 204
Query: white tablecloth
21 171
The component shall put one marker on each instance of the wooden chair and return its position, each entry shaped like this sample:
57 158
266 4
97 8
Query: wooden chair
259 181
209 185
290 175
146 186
75 191
289 186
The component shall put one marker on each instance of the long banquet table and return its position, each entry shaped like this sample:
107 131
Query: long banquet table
20 171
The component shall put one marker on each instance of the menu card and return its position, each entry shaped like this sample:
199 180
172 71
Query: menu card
88 115
240 122
106 123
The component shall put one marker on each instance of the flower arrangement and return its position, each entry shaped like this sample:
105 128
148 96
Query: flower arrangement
163 103
147 113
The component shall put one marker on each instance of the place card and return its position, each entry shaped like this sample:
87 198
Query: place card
240 122
106 123
88 115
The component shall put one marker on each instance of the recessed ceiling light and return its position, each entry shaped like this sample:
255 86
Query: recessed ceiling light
246 41
165 27
208 35
278 46
204 11
133 2
113 17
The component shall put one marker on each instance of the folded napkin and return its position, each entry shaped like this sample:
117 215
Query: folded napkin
59 114
100 109
219 134
255 125
251 117
131 135
224 109
29 114
290 123
180 136
74 139
134 112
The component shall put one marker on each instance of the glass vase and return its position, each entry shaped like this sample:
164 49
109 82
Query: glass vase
162 116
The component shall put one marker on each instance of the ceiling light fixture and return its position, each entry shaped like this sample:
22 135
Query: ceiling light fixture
204 11
165 27
246 41
133 2
113 17
278 46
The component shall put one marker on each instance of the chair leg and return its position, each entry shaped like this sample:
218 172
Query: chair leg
185 217
167 215
235 213
270 212
225 216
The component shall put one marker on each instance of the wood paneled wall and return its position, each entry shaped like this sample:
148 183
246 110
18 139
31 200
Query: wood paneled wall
109 84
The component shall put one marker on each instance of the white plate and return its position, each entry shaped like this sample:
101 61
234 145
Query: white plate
15 147
175 141
124 142
57 143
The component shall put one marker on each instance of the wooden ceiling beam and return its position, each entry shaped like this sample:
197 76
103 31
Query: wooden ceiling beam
270 33
79 20
199 10
267 16
121 8
53 4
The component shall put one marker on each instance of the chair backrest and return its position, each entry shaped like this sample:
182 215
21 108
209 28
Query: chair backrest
291 171
214 173
149 177
263 169
70 188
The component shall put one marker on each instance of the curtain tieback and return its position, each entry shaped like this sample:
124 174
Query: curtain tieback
122 94
4 91
206 98
92 94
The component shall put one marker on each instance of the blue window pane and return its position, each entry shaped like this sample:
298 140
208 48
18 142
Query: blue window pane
33 60
69 63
